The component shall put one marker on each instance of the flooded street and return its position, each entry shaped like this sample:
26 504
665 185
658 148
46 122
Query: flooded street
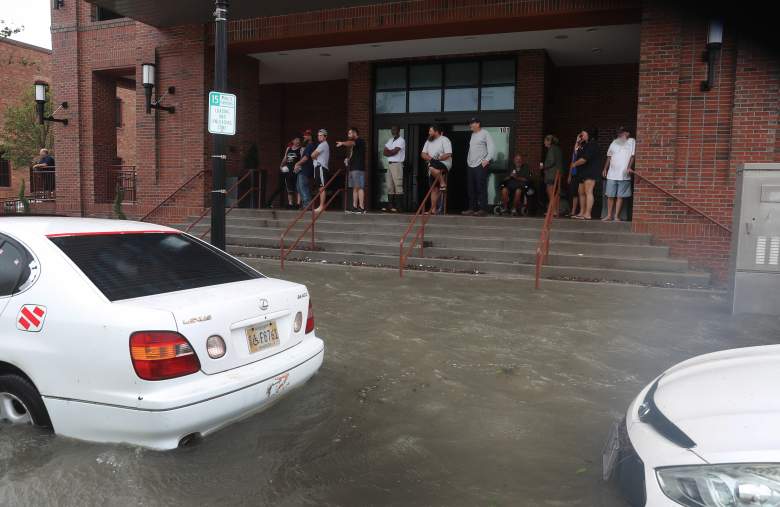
436 390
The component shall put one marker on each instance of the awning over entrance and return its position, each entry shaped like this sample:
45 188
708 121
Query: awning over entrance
183 12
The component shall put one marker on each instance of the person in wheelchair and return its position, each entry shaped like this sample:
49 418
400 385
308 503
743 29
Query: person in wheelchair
516 189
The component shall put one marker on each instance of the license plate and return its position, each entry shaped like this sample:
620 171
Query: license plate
611 452
262 336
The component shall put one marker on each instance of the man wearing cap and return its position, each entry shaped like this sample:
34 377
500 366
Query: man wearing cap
617 171
482 151
305 169
321 157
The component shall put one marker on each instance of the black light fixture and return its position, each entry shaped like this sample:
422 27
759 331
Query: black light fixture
148 74
40 105
714 43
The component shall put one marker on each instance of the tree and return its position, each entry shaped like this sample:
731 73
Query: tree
119 196
22 137
7 30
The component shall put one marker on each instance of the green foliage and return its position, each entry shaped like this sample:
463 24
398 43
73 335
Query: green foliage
7 30
251 159
23 199
119 196
22 137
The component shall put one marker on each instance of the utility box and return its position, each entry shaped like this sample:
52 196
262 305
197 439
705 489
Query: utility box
755 240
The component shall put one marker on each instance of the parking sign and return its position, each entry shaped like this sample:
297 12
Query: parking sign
222 113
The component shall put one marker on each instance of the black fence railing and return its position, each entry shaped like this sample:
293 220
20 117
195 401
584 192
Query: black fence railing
43 183
118 178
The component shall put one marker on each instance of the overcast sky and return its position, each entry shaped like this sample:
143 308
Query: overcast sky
34 15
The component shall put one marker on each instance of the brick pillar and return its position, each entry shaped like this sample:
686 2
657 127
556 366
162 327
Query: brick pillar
103 136
359 105
532 68
65 88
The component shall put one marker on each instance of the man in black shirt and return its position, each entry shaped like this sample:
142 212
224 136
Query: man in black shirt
46 161
356 164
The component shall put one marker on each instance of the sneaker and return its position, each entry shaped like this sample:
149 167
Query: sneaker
480 213
514 213
467 213
361 211
503 211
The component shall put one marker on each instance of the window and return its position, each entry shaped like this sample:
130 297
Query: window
118 112
462 85
5 172
14 266
103 14
134 265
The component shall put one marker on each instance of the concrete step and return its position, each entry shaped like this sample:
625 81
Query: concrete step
404 218
248 226
433 250
677 279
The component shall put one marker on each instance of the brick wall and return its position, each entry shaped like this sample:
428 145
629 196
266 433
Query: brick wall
20 66
690 142
532 69
601 96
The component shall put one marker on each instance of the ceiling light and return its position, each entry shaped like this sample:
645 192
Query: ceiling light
324 54
376 45
596 50
561 37
591 29
283 54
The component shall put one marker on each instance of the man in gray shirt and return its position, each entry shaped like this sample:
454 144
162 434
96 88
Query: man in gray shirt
482 151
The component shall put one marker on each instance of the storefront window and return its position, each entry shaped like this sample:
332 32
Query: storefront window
424 101
471 85
460 99
495 98
390 78
390 102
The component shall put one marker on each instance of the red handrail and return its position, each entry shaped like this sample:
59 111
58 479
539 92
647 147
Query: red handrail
162 203
283 253
206 211
683 202
543 248
420 236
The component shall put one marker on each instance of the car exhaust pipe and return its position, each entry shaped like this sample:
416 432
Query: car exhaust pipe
190 440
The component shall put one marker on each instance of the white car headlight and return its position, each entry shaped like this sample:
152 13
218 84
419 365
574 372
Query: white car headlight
722 485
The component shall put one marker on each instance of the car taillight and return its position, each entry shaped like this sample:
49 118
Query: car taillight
160 355
310 319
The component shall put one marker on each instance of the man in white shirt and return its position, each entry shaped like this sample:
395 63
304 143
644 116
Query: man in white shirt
395 151
437 152
482 150
617 171
321 158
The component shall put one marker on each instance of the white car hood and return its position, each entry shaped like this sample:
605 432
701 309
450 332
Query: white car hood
727 402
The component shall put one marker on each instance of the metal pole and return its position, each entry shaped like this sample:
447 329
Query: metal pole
219 156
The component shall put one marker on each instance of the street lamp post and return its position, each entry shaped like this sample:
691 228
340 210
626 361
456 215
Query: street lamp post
219 156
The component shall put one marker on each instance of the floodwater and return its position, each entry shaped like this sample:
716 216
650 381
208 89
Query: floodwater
436 390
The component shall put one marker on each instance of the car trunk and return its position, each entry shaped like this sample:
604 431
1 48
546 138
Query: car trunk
238 312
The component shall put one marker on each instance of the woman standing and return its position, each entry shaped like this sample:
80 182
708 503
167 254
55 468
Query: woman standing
552 165
588 171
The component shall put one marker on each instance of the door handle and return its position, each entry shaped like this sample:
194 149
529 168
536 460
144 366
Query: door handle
747 228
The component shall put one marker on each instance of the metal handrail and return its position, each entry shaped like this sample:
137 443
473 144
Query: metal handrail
314 217
171 196
206 211
683 202
420 235
543 248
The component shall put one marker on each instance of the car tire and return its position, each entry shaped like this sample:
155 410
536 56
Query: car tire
24 398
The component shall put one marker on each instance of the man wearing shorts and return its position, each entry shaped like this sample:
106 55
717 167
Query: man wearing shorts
356 165
617 171
321 158
437 153
395 151
292 155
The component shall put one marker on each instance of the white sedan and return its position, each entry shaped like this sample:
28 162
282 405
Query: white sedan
706 433
115 331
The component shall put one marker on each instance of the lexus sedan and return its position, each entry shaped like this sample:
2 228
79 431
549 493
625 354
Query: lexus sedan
116 331
706 433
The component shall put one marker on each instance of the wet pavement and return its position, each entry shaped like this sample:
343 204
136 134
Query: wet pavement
436 390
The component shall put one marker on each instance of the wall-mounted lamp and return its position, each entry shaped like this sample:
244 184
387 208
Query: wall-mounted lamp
148 71
40 104
714 43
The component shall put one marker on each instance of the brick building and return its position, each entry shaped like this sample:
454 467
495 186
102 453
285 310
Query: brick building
20 66
526 67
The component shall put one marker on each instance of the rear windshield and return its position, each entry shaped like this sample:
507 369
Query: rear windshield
125 266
